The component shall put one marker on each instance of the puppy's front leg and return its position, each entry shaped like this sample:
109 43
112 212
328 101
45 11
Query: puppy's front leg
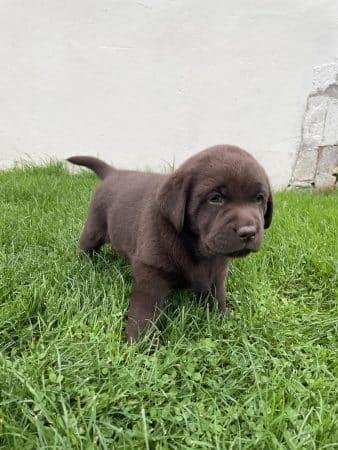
218 292
146 302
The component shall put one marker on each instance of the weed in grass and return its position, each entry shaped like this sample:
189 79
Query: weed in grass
264 379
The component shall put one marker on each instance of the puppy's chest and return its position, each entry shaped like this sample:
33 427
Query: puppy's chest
199 277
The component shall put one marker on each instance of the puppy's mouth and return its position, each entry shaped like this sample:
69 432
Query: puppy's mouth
234 254
239 253
231 252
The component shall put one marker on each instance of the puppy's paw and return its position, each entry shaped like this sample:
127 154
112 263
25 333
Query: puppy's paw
80 253
227 312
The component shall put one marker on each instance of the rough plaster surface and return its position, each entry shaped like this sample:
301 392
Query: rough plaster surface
140 83
318 152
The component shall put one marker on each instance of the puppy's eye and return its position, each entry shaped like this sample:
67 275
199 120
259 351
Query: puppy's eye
216 198
260 198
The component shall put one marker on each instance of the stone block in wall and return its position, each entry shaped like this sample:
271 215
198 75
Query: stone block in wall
330 135
305 169
327 163
314 121
324 76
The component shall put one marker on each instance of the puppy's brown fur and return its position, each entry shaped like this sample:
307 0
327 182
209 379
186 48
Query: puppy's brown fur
181 229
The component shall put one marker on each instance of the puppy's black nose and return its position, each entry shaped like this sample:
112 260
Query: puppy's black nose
247 233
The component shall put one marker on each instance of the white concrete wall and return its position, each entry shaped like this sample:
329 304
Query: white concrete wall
143 82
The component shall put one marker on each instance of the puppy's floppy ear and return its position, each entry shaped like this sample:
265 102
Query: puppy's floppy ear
172 198
269 211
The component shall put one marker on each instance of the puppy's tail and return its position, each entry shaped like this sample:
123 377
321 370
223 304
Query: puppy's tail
101 168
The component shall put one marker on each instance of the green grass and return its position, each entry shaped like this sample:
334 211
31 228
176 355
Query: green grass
264 379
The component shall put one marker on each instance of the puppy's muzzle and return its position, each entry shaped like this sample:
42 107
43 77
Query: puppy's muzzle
247 233
236 240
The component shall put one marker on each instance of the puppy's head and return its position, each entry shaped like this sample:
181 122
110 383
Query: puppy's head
222 198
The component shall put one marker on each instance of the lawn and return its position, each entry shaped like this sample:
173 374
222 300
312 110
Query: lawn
266 378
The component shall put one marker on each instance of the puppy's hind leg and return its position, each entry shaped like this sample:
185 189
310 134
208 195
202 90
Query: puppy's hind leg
92 237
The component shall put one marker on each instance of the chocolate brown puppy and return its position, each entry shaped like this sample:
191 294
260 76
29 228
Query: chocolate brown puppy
181 229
